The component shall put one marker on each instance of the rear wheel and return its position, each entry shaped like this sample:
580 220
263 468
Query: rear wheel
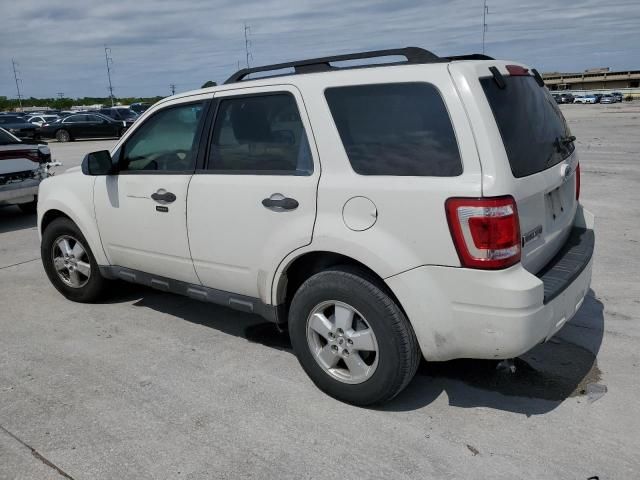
351 338
69 262
63 136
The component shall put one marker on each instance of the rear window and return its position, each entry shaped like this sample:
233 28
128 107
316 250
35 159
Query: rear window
395 129
533 129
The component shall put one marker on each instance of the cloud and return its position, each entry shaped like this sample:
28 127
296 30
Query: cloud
155 43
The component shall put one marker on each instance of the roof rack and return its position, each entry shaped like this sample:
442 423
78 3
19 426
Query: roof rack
413 55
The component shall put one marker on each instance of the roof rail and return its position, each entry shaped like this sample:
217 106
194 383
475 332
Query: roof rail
412 54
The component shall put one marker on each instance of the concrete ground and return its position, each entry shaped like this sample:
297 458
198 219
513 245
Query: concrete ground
151 385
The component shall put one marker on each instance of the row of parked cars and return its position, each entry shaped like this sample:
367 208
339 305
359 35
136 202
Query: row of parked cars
25 159
66 126
588 97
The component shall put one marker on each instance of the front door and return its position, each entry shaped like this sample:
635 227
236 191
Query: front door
141 212
254 201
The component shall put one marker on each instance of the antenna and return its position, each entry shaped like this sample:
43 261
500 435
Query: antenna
109 61
485 12
247 43
173 88
18 81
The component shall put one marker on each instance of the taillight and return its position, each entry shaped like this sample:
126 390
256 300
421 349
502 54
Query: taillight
578 182
485 231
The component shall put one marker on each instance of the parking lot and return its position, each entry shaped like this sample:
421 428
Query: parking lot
151 385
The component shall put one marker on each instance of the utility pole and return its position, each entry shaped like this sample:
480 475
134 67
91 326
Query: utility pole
485 12
60 95
109 61
247 43
173 88
18 81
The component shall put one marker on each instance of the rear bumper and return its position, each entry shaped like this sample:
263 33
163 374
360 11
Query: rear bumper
19 192
465 313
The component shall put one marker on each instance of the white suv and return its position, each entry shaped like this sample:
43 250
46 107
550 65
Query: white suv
384 212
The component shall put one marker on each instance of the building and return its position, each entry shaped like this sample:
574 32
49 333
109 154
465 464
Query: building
595 80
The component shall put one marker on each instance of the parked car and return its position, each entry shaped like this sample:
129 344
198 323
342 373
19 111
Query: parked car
40 120
23 165
606 98
598 97
83 125
566 98
18 126
557 97
588 98
124 114
446 222
617 96
139 107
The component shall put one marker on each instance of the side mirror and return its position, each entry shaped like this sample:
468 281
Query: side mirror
98 163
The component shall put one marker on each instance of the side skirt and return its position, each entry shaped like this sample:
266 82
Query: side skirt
198 292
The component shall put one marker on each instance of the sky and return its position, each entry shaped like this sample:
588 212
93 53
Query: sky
59 46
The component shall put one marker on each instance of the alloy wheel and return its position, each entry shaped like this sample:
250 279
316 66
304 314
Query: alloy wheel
71 261
342 342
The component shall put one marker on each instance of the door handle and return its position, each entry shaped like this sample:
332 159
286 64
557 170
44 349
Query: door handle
279 203
162 196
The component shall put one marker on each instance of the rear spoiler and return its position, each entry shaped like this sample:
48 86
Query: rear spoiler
514 71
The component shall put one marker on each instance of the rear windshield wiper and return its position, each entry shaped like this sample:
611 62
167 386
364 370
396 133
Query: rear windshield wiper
567 139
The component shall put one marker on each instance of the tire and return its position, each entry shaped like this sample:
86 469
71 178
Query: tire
63 136
90 287
29 208
381 373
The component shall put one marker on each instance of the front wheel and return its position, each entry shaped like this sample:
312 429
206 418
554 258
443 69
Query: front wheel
351 338
69 262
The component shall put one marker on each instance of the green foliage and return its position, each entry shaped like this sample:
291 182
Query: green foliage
66 103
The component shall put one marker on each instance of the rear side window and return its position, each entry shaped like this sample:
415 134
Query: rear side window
533 129
395 129
260 135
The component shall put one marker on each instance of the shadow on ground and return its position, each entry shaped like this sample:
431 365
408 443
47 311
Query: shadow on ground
544 377
12 218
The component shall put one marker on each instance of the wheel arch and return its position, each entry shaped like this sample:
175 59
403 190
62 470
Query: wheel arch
307 264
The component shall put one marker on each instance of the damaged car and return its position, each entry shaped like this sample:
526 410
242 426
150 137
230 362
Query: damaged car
23 165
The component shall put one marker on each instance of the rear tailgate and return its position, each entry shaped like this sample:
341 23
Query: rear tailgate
526 151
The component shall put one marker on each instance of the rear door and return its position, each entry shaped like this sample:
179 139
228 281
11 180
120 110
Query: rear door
254 199
527 151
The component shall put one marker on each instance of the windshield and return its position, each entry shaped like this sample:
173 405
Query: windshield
533 129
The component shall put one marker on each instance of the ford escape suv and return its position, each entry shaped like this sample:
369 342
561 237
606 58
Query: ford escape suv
427 206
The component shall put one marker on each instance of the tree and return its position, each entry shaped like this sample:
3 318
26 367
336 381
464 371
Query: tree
208 84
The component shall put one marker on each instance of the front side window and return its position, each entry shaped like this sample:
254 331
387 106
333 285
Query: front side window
395 129
165 142
260 134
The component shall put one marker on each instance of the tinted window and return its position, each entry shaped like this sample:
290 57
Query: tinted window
75 119
5 138
11 119
395 129
531 124
260 133
166 141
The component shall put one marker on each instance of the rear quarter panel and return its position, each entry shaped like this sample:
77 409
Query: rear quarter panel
411 227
